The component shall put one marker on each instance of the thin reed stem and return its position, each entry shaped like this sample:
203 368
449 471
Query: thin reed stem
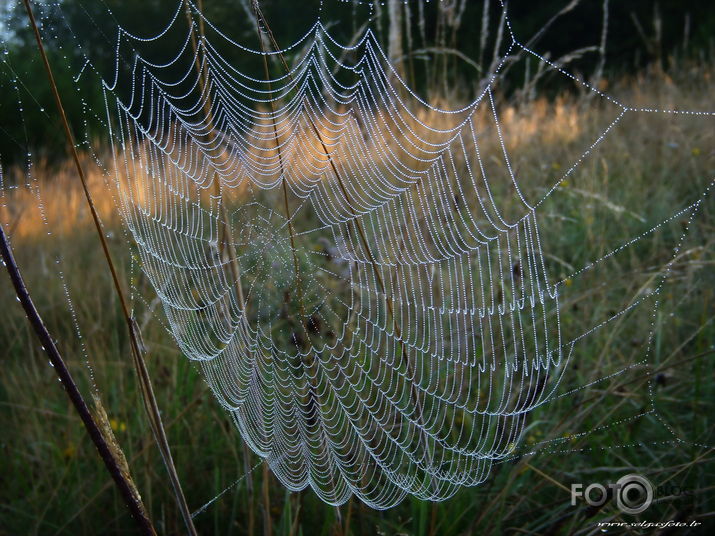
134 336
226 243
363 238
267 522
289 219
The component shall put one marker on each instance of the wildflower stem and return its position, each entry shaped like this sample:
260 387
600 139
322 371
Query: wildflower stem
149 399
122 480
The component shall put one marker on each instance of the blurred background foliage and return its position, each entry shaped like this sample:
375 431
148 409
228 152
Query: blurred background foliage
437 46
656 54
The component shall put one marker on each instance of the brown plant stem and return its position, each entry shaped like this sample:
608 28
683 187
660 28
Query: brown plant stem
267 522
249 489
363 238
226 242
291 231
348 516
134 335
122 479
308 360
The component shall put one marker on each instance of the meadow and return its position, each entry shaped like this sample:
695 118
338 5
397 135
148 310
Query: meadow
649 168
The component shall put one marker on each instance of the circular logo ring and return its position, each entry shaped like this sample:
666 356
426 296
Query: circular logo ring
629 485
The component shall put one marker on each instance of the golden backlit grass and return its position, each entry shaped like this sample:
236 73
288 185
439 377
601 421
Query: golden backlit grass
650 166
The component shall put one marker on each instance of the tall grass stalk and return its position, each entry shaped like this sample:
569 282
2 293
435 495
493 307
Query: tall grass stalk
147 391
647 168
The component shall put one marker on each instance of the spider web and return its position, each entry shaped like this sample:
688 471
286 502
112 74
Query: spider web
359 274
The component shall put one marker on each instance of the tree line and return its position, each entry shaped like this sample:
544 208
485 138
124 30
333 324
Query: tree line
435 46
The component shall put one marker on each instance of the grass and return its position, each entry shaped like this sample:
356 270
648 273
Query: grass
650 166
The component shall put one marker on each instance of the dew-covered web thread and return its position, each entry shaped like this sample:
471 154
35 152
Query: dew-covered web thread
364 292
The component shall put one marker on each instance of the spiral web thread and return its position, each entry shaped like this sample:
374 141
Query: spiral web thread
363 292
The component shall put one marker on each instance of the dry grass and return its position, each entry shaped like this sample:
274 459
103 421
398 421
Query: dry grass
650 166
